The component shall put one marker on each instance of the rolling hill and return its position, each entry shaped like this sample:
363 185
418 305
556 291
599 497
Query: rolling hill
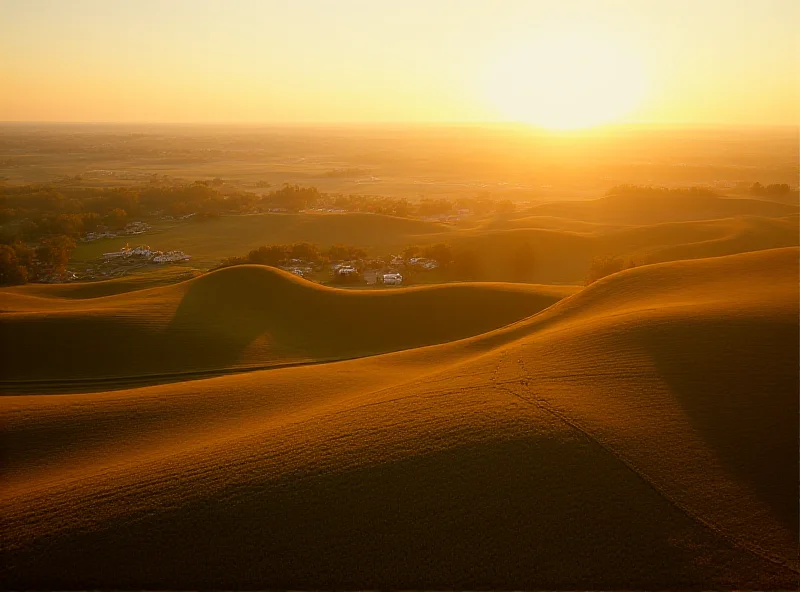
562 256
640 433
239 317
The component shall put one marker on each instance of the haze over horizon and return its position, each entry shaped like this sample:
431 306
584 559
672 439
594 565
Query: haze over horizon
567 65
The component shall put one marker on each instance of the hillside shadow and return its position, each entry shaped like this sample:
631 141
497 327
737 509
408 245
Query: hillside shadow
246 317
535 513
737 380
294 319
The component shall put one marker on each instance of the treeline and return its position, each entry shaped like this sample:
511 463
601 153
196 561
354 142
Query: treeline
278 255
774 189
649 191
31 212
600 267
20 263
645 191
452 262
294 198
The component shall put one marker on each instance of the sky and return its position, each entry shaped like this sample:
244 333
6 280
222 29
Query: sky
565 63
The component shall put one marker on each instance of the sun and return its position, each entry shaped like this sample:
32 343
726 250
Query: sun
564 80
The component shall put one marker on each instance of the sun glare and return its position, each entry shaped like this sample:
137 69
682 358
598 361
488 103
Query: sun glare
564 80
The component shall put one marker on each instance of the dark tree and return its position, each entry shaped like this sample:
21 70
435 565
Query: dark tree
345 253
117 218
268 255
54 252
600 267
441 253
11 271
305 251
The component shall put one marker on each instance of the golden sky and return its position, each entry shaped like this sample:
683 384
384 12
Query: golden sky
556 64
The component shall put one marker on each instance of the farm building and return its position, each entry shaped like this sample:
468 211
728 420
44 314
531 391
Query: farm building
392 279
346 270
170 257
146 253
424 263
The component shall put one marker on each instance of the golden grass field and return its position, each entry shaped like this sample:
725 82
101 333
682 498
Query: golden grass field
639 433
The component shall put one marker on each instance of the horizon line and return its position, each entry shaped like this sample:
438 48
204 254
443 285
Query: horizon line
650 124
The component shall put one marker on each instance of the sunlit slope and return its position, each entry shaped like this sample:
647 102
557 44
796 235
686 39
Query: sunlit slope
639 434
243 316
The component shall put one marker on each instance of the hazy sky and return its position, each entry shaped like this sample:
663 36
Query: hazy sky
681 61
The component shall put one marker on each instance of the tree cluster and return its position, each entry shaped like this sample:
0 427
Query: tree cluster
20 264
276 255
401 207
600 267
774 189
648 191
372 204
31 212
292 198
480 205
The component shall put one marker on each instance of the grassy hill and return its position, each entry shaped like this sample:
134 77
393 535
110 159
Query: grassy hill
241 316
564 256
641 433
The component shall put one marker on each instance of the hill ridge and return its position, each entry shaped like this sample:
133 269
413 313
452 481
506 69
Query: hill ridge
249 316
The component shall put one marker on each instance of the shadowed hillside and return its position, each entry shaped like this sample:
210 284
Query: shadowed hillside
245 315
639 434
565 256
